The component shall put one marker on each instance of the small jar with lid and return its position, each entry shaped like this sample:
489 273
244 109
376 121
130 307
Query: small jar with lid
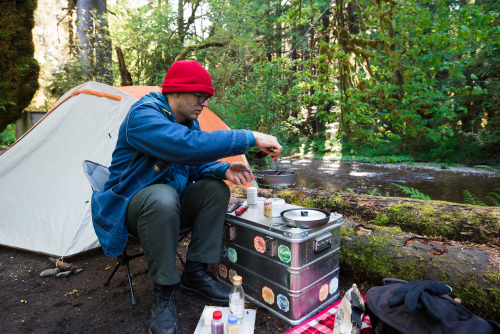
232 324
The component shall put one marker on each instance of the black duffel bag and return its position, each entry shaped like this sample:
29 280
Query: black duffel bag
420 307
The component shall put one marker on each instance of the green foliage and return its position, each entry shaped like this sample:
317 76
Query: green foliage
397 82
259 102
8 136
149 38
410 77
414 193
470 198
493 197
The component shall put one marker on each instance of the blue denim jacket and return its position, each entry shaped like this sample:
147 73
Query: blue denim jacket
153 148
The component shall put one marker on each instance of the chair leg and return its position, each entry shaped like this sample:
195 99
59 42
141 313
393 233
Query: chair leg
134 301
113 273
185 233
180 258
124 259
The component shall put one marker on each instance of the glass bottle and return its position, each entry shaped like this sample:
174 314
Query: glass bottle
237 299
217 323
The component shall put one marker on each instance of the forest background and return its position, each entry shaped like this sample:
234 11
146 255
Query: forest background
369 80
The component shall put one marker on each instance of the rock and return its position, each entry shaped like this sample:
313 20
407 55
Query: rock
64 274
50 272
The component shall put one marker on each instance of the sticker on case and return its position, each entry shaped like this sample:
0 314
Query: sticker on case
223 251
259 244
232 255
232 273
284 253
268 295
334 285
323 292
282 302
222 271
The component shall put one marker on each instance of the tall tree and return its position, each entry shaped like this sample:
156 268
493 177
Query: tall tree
18 68
94 40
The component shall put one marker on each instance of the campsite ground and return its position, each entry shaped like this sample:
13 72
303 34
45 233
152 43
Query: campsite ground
81 304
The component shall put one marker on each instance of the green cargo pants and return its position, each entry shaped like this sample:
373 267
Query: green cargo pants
156 214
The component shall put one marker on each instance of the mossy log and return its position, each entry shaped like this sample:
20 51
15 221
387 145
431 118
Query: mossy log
458 222
370 253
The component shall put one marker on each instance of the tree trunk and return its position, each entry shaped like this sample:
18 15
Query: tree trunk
94 41
124 73
180 21
85 36
18 67
102 43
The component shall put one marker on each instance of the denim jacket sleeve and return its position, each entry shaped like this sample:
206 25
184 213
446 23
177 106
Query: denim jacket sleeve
149 131
216 169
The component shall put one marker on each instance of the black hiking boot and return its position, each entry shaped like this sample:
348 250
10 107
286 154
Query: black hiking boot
196 280
163 318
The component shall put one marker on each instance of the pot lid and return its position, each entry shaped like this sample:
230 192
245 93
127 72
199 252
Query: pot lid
305 214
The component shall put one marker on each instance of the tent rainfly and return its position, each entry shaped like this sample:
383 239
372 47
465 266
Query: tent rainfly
45 195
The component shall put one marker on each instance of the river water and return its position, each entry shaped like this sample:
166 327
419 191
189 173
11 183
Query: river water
440 184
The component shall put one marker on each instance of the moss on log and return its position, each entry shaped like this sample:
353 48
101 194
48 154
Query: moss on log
459 222
370 252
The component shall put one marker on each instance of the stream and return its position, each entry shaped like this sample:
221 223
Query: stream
440 184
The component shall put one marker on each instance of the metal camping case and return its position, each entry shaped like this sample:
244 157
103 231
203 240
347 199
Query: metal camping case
291 272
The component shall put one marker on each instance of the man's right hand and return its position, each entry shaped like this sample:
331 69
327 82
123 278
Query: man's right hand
268 144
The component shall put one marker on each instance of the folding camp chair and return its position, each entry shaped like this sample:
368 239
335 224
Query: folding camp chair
97 175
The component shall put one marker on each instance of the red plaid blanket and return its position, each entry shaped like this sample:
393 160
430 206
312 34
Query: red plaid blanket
322 323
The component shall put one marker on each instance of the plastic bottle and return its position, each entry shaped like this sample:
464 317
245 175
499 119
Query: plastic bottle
232 324
217 323
251 195
237 299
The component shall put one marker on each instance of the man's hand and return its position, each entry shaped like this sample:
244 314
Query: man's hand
239 173
268 144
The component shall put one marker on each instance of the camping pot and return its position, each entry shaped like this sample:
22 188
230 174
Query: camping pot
275 178
305 217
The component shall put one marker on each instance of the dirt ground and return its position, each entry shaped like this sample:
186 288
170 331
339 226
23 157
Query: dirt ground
82 304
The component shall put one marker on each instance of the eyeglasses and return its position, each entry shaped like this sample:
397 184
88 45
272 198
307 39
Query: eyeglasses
202 98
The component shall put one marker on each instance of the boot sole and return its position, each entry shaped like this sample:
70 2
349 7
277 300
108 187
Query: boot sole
193 292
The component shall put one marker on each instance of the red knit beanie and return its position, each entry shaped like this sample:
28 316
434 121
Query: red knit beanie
187 76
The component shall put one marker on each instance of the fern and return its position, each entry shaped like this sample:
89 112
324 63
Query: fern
414 193
470 198
494 197
374 192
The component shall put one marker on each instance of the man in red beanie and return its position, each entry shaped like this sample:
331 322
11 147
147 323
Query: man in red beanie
165 176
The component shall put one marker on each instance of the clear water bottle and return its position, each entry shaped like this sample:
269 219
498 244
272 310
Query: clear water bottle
237 299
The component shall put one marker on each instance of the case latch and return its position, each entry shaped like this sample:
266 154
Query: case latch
271 246
322 242
229 231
